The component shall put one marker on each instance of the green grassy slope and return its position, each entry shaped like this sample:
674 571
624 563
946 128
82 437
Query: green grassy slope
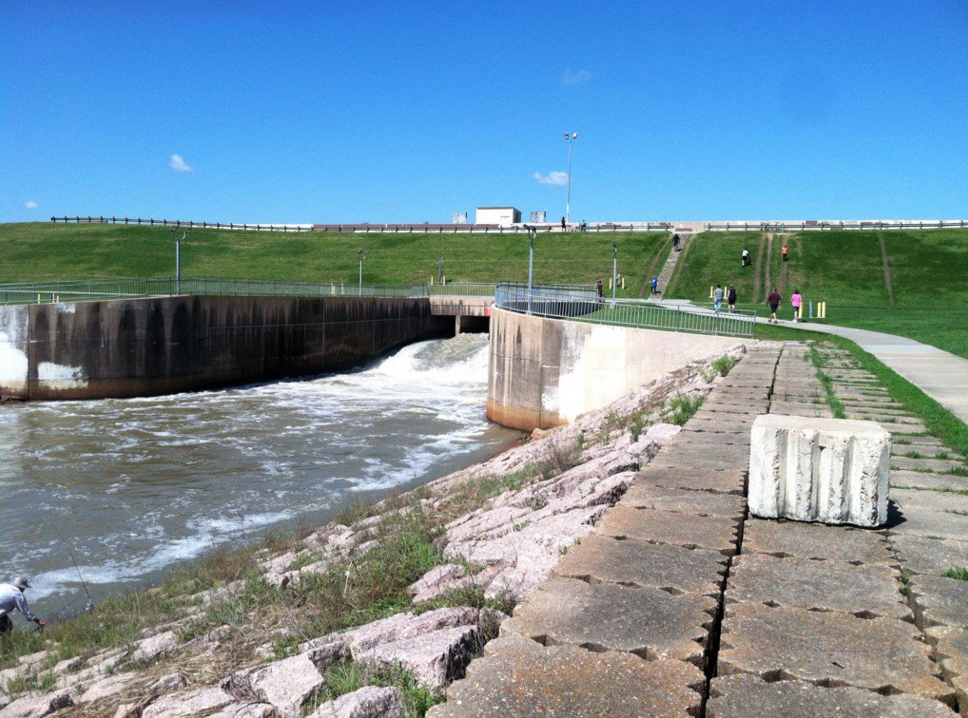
46 251
928 297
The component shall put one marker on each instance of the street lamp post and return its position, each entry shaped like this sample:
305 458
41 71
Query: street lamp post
614 270
569 138
178 241
362 253
531 234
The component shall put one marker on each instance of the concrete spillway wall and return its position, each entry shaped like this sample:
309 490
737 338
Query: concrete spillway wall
146 347
546 372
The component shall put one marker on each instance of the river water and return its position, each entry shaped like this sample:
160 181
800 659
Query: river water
134 487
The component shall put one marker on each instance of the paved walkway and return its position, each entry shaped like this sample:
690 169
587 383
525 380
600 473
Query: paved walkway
665 274
681 604
939 374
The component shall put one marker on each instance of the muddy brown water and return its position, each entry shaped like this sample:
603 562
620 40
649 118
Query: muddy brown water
139 486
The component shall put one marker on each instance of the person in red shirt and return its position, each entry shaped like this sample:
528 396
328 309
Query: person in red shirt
774 300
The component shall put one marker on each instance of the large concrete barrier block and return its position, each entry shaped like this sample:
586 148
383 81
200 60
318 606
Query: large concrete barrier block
828 470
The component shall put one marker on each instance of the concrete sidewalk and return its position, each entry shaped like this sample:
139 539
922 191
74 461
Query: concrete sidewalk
939 374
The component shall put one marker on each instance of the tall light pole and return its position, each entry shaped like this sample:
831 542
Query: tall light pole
531 234
362 253
614 269
178 241
570 139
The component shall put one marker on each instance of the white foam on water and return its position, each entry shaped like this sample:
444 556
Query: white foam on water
141 484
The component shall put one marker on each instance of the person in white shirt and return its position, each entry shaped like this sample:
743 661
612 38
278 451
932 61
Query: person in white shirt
12 599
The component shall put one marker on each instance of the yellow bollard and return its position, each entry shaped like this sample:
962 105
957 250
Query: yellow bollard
822 310
711 289
609 283
623 282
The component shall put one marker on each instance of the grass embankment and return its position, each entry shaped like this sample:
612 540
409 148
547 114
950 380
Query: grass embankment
922 294
39 251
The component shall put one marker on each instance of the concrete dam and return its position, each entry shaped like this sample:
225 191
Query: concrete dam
163 345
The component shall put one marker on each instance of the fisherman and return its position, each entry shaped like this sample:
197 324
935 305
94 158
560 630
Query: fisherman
12 598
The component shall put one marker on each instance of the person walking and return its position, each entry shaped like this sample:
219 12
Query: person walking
774 301
718 299
598 287
786 254
655 285
675 242
731 298
746 257
562 224
796 301
12 599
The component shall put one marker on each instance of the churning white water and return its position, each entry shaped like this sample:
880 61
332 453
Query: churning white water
137 485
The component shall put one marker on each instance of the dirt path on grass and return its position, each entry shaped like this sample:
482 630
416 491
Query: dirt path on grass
783 272
766 240
887 270
652 271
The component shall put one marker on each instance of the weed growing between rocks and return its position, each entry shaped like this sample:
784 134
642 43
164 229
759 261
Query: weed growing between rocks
958 573
682 408
343 678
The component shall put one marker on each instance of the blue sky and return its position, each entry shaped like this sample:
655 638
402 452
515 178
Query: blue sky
410 111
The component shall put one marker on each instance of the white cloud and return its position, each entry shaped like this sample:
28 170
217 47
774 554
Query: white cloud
179 164
31 204
575 77
558 178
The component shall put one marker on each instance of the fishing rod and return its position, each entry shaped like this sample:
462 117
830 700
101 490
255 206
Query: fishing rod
64 608
90 601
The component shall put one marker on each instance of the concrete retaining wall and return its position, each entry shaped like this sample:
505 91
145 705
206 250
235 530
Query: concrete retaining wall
546 372
146 347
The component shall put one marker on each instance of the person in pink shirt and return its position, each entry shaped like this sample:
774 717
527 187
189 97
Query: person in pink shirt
796 300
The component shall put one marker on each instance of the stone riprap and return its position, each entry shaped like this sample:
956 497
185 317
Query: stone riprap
509 521
809 469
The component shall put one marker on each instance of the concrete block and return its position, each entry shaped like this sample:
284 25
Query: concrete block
727 482
637 564
829 470
867 590
746 696
519 677
816 541
688 530
930 555
883 655
649 622
941 601
685 501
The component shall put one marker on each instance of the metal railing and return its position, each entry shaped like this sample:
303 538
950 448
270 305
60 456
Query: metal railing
585 305
837 225
426 228
183 223
461 289
366 228
132 288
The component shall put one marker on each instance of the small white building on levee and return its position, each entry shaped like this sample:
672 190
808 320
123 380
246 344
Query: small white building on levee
498 215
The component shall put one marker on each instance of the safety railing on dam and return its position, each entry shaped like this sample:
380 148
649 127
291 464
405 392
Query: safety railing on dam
47 292
583 303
